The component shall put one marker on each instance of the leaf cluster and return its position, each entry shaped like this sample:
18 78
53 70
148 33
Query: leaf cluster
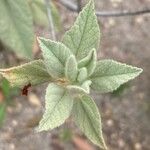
72 68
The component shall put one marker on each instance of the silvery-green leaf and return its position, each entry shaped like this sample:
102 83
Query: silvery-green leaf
82 75
16 26
86 86
78 89
89 62
71 69
85 34
33 72
55 56
109 75
58 107
87 118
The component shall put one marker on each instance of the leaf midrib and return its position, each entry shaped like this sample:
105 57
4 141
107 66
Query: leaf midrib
84 109
45 121
83 32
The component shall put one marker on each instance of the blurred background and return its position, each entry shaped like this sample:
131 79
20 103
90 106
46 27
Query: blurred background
125 112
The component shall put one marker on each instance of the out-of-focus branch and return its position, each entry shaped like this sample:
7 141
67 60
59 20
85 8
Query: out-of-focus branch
71 6
79 4
50 18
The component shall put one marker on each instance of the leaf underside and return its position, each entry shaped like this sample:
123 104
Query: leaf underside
87 118
58 107
109 75
55 56
33 73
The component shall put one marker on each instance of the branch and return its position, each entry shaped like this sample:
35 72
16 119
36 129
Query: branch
79 5
50 19
73 7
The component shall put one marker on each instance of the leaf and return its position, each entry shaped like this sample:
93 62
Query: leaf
85 34
56 16
84 88
39 13
2 113
109 75
89 62
33 72
16 26
58 107
87 118
76 89
71 69
82 75
55 56
5 88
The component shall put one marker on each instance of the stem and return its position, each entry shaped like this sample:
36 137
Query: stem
50 19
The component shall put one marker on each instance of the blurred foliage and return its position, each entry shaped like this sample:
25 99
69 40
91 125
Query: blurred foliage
6 92
65 135
2 113
16 23
39 13
16 27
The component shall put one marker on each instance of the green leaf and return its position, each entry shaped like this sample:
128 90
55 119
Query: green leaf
71 69
33 72
87 118
86 86
78 89
5 87
16 26
58 107
2 113
39 13
85 34
109 75
55 56
56 17
89 62
82 75
1 77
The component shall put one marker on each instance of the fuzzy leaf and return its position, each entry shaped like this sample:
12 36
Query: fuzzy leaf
71 69
86 86
16 26
58 107
33 72
109 75
85 34
82 75
87 117
55 56
78 89
89 62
